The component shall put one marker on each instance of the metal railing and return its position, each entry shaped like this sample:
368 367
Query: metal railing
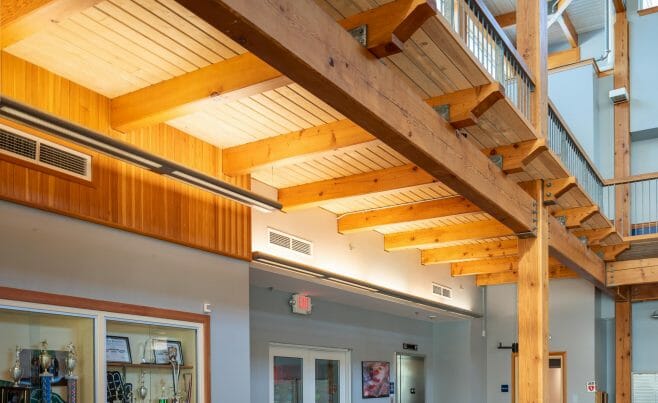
562 142
644 207
480 32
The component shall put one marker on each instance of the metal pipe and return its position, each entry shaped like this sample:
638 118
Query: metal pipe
607 51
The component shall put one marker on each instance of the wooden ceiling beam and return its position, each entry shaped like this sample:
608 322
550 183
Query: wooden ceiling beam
594 236
467 253
489 266
554 273
390 25
568 29
644 292
620 5
368 220
609 253
385 180
294 147
517 156
561 7
575 217
556 188
465 106
507 19
231 79
435 237
575 255
22 19
301 41
563 58
627 272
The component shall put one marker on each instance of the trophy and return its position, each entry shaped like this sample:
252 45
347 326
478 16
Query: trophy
172 352
71 360
16 371
142 391
44 358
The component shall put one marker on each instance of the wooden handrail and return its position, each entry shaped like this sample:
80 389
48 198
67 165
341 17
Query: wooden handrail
631 179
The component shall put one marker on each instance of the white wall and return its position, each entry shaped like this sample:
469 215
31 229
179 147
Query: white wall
645 337
571 327
371 336
361 255
50 253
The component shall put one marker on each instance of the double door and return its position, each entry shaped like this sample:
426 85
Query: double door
308 375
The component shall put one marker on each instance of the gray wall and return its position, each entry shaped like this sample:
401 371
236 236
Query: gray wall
46 252
645 337
643 31
370 335
571 327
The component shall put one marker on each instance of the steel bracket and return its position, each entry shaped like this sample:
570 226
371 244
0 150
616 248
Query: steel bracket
360 33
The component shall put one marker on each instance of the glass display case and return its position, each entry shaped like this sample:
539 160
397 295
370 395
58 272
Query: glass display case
71 354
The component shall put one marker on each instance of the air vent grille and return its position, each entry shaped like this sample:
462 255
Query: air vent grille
42 152
63 159
15 144
290 242
442 291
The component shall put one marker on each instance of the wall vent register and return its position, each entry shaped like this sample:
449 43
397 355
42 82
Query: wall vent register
441 291
290 242
41 152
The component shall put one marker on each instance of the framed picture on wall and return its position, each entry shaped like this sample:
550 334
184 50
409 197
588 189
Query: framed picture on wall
375 379
117 349
161 350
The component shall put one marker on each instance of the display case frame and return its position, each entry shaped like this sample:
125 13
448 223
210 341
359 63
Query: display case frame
103 311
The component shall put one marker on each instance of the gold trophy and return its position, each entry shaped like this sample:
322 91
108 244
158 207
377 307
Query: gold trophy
44 358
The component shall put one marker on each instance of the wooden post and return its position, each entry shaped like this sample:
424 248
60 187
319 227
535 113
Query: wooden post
532 44
532 291
622 126
623 317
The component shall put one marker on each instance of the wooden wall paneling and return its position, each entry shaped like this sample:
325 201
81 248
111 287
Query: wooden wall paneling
122 195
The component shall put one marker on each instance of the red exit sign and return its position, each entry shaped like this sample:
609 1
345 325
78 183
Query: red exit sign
301 304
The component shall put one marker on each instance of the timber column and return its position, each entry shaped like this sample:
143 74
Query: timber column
622 125
532 289
623 345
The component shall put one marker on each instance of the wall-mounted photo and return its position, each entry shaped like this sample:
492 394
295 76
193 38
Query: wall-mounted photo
376 376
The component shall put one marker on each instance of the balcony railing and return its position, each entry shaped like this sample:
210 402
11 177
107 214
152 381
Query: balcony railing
564 144
483 36
643 202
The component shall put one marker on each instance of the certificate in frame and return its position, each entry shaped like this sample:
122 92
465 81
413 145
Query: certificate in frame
117 349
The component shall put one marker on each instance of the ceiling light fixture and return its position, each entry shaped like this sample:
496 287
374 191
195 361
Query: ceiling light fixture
37 119
361 285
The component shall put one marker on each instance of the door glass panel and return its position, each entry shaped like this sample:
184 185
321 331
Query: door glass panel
327 381
287 380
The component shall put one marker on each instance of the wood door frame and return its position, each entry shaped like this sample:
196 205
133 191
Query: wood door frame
562 354
38 297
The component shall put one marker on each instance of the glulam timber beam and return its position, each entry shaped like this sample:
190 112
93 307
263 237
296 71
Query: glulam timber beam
465 106
620 5
572 253
568 29
563 58
435 237
238 77
369 220
489 266
554 273
627 272
622 121
385 180
560 9
516 156
623 345
22 19
594 236
293 147
609 253
302 42
507 19
556 188
575 217
467 253
390 25
644 292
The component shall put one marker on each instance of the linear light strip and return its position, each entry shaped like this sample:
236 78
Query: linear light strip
325 275
37 119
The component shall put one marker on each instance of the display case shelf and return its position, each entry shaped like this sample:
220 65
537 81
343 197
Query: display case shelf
145 366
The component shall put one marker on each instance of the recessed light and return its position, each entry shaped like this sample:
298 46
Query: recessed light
431 316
